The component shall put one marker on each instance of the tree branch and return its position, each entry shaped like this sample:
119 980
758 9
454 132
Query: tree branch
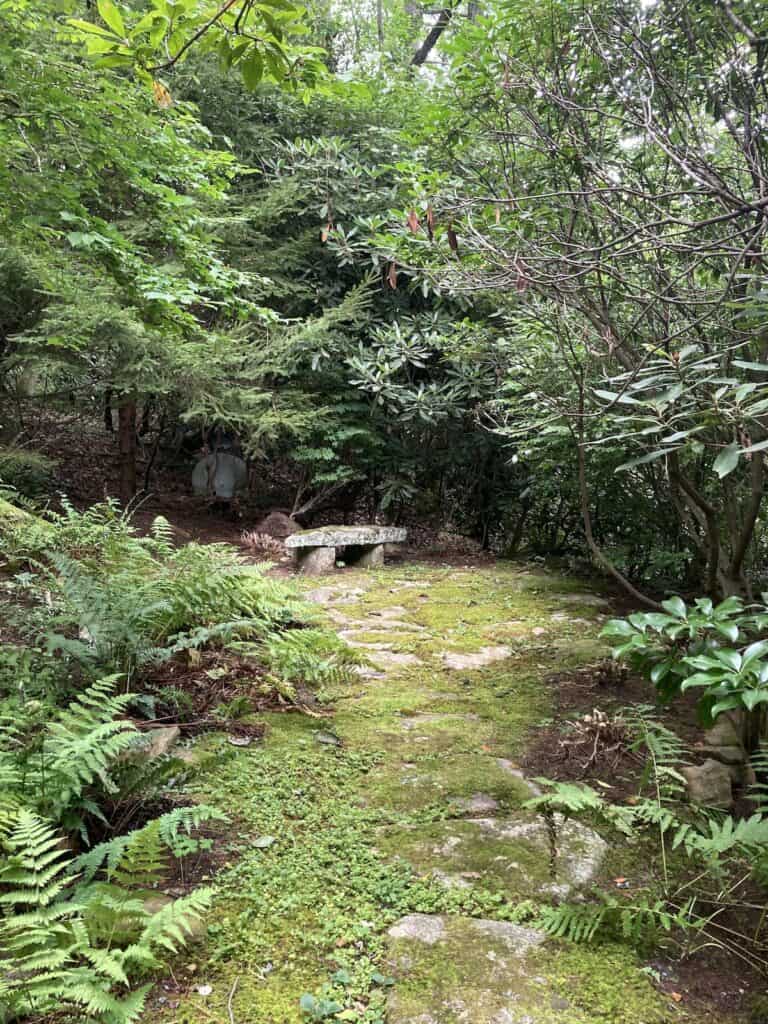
433 35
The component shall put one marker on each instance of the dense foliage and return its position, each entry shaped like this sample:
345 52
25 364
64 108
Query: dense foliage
496 269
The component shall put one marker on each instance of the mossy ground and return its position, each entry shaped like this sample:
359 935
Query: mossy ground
309 911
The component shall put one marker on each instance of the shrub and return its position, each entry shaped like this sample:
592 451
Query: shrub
714 648
26 471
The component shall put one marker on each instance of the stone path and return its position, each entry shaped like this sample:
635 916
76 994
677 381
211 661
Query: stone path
398 842
442 752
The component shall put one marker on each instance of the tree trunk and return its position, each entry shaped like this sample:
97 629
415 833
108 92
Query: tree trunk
441 24
126 414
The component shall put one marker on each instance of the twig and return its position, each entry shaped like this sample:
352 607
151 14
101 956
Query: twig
231 997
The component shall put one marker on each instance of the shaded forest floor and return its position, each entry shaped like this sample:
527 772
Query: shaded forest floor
342 827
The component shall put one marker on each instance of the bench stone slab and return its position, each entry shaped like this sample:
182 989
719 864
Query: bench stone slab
316 549
346 536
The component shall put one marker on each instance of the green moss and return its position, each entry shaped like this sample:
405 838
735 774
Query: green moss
355 827
605 985
473 975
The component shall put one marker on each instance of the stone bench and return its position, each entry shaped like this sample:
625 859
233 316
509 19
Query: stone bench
316 549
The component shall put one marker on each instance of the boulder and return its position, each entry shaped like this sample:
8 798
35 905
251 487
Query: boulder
709 784
726 732
158 742
278 525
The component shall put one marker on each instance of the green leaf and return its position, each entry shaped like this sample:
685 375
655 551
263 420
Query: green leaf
675 606
727 460
111 16
728 629
90 28
252 70
744 365
753 652
641 460
732 659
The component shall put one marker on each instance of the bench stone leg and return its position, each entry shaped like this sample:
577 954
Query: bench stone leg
312 561
371 557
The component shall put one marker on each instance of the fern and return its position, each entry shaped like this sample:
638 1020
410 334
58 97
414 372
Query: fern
636 922
314 657
171 834
56 954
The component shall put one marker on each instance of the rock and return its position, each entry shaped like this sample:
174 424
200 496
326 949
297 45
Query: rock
220 474
425 928
478 803
385 659
726 732
314 561
460 970
709 784
590 600
363 544
409 722
477 659
516 772
277 524
372 557
726 755
513 857
156 742
334 595
383 625
346 536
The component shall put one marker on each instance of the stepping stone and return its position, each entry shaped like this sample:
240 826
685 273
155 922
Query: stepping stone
334 595
440 782
476 659
367 672
478 803
409 722
395 611
592 600
461 970
510 856
386 658
517 773
366 646
382 626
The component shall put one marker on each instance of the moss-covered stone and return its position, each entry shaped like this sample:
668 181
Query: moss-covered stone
458 970
513 856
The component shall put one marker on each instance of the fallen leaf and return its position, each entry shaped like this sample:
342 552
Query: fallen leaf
413 221
676 996
204 990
